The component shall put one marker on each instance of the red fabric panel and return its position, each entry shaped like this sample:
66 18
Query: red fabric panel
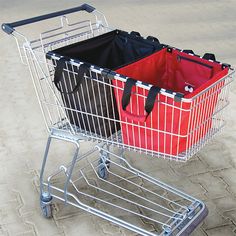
174 71
147 70
215 78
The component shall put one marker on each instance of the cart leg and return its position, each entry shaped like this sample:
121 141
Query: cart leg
69 173
122 159
44 164
46 204
45 196
167 231
103 163
122 153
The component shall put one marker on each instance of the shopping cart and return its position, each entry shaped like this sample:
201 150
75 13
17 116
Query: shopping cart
100 181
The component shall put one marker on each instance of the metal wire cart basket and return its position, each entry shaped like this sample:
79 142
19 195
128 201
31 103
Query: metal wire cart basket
120 91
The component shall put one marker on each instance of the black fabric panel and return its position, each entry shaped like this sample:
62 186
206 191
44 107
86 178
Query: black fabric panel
111 50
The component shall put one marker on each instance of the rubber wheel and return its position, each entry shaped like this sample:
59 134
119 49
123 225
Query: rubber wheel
46 209
102 169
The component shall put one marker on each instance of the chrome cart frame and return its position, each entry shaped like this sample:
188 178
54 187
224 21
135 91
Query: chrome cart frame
101 182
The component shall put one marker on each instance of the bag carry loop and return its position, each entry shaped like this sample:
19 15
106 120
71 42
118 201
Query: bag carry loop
135 33
127 92
209 56
149 104
153 39
188 51
61 64
151 98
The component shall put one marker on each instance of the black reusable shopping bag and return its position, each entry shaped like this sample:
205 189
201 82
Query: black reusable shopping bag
89 103
84 99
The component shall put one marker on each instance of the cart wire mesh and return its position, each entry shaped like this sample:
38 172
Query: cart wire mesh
56 113
130 197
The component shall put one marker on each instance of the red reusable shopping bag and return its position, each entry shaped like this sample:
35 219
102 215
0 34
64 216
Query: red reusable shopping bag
172 126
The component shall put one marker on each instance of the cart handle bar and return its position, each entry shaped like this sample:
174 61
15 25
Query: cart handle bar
9 27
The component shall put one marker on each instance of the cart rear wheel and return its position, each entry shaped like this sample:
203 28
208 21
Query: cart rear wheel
46 210
46 205
102 168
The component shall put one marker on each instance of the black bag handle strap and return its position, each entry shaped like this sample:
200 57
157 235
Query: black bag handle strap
151 98
82 70
127 92
61 64
58 72
209 56
153 39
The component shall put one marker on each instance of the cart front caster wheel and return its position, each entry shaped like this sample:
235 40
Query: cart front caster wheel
46 205
102 169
